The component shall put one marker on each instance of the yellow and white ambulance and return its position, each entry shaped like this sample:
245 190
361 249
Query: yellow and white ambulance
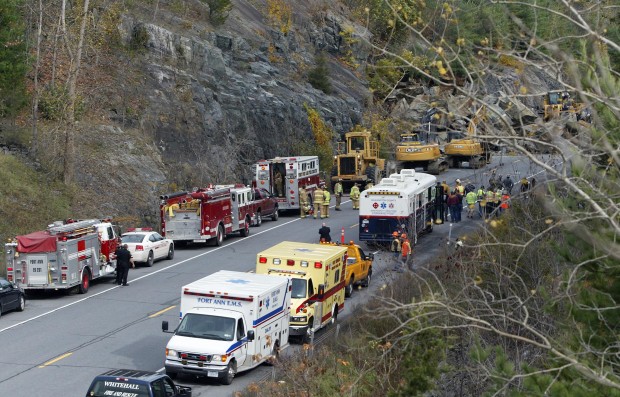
318 280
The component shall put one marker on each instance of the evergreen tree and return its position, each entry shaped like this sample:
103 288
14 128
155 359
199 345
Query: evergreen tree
319 76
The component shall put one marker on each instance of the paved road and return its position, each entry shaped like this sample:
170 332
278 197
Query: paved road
60 342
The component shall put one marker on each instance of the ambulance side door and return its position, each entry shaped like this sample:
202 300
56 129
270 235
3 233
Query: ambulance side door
241 337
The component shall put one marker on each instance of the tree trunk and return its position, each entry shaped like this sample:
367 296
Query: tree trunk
35 102
69 160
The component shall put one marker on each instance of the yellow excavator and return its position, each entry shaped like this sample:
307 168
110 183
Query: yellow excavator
465 147
357 160
421 148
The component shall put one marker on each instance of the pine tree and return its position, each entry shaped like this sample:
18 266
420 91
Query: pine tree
319 76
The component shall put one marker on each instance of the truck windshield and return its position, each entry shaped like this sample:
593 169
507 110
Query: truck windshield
207 327
103 388
300 288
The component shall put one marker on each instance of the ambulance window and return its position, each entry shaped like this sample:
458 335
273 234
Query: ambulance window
233 197
299 288
337 276
240 329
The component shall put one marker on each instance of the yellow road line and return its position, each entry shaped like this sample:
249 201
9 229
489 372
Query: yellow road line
161 312
50 362
356 225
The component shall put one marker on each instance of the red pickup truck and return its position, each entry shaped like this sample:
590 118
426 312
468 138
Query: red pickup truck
265 205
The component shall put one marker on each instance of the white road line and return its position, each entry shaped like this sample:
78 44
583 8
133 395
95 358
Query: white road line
144 276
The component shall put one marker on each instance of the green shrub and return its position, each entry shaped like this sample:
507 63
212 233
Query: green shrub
319 76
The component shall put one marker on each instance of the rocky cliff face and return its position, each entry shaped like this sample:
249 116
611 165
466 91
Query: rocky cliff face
205 105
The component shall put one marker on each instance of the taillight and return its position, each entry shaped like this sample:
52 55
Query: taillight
139 248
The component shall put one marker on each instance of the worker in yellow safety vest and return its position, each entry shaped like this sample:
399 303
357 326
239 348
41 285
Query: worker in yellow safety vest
355 196
338 193
325 209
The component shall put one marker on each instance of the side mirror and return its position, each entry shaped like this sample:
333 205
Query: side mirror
251 335
371 256
164 326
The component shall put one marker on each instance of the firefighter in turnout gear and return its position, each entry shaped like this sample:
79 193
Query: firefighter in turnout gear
318 200
304 205
355 196
338 193
279 184
325 209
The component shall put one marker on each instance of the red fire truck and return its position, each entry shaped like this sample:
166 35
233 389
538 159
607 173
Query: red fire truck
207 213
283 176
64 256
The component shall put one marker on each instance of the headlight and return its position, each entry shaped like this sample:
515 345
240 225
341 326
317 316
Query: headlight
218 357
299 319
172 353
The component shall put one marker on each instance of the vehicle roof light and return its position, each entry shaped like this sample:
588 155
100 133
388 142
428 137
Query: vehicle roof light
304 263
262 259
290 262
276 261
318 265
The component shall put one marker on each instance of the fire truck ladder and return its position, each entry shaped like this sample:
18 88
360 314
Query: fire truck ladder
75 228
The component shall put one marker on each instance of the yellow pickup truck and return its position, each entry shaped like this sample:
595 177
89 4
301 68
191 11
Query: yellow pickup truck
359 267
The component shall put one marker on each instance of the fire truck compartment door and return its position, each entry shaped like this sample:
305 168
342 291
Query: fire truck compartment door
37 270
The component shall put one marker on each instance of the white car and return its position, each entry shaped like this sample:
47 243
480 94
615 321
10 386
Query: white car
146 246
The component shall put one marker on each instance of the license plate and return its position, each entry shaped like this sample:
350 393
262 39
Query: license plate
212 374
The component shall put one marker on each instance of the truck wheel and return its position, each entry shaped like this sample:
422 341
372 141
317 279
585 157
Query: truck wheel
83 287
219 237
275 215
150 259
231 370
246 228
348 290
366 281
259 219
170 252
22 304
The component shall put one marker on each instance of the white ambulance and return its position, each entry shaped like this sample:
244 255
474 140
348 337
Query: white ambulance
230 322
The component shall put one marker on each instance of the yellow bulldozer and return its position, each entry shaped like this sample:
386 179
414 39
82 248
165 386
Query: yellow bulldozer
560 102
466 147
357 160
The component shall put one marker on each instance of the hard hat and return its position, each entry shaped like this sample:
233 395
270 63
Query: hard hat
403 235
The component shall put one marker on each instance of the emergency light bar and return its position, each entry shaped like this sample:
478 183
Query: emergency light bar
219 295
299 272
140 229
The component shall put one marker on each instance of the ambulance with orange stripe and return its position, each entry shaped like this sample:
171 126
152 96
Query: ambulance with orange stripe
317 272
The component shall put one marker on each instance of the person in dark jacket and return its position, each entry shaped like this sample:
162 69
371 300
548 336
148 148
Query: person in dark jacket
454 203
123 261
324 233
